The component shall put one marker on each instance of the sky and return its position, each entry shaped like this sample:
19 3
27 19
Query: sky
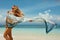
31 8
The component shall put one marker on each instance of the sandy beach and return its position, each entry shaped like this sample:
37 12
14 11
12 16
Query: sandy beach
34 37
33 34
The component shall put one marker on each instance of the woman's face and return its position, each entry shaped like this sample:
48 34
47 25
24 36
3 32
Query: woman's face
14 8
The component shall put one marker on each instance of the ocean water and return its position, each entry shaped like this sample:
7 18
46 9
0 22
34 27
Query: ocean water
34 33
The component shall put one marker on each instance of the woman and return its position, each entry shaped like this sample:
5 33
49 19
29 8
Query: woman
11 21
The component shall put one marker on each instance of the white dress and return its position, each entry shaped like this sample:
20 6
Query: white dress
15 19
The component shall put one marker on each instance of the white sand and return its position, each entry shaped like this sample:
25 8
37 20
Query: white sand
1 37
34 37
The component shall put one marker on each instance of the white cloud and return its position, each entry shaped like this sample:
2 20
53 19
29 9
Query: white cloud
3 13
46 15
57 17
2 19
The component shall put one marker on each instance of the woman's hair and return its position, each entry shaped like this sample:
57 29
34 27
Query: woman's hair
17 11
